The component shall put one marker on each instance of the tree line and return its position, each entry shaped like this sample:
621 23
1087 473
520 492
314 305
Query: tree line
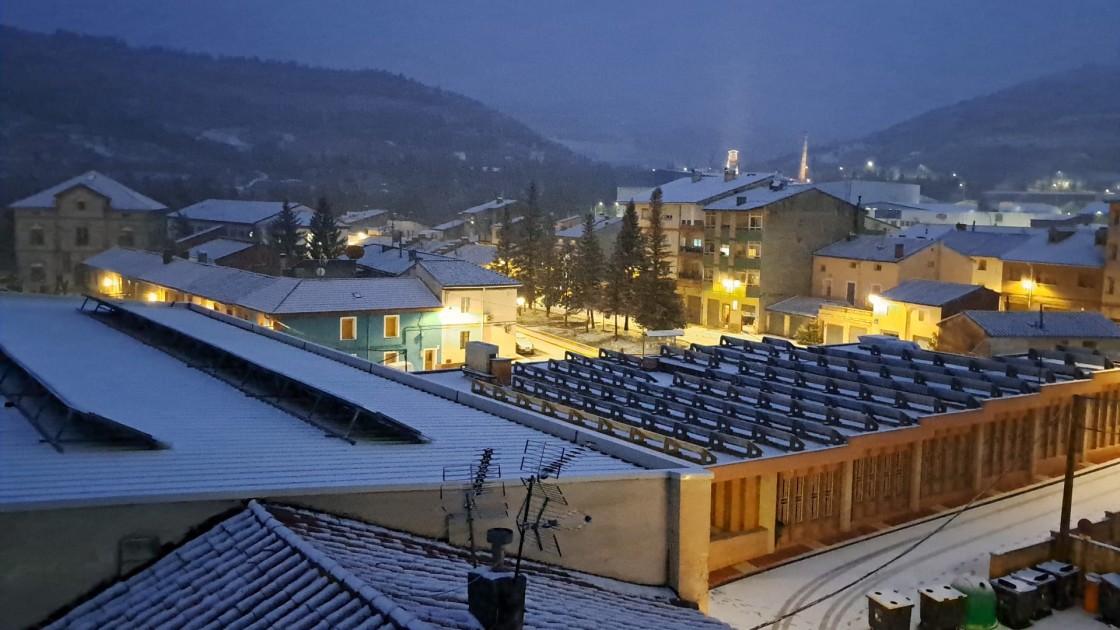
633 282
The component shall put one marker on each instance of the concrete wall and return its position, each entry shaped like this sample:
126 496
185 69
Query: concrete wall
1056 287
644 529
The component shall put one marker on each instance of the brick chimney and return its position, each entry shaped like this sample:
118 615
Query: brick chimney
495 594
899 250
203 257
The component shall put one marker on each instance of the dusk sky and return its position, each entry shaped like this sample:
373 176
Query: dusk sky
753 75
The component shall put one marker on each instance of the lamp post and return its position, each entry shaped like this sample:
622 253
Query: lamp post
1077 418
520 305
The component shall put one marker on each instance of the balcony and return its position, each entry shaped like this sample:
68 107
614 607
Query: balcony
742 262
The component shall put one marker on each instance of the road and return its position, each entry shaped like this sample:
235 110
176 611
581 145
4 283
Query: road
547 346
959 549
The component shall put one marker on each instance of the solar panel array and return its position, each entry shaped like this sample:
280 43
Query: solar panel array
745 399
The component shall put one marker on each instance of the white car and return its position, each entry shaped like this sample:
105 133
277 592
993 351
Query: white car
524 346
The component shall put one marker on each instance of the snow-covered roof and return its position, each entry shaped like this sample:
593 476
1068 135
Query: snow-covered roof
449 225
803 305
756 198
359 215
933 292
477 253
601 223
120 197
268 294
218 248
494 204
393 261
460 273
222 443
1053 324
290 567
358 294
705 191
244 212
874 248
1071 247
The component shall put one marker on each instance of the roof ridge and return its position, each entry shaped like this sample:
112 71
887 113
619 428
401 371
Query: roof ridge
399 616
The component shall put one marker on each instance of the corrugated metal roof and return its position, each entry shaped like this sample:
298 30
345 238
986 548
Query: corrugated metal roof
707 190
223 443
874 248
1073 325
930 292
460 273
304 567
120 197
218 248
238 211
802 305
268 294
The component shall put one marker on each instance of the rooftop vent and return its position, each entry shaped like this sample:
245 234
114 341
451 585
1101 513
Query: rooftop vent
356 295
696 176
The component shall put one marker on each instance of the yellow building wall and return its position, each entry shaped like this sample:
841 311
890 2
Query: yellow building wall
1056 287
910 322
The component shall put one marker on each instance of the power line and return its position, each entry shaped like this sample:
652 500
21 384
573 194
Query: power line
905 551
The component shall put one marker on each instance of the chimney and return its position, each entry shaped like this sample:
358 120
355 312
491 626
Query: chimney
203 257
851 236
899 249
729 174
496 594
740 201
696 176
412 254
961 227
168 256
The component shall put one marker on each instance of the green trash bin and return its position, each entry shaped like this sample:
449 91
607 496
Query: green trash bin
980 605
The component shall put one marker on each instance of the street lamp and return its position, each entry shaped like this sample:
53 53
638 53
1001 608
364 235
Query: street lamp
1028 286
520 305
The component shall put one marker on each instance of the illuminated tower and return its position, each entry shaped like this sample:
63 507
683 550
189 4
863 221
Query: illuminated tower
803 172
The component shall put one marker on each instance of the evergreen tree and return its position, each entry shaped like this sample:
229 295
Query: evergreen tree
660 307
325 239
810 333
505 253
555 279
285 237
626 261
587 271
533 237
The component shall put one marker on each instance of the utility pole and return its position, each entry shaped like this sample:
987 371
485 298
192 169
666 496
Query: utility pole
1077 419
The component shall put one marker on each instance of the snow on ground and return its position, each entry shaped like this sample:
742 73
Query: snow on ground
959 549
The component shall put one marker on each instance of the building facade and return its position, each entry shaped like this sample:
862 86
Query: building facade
57 228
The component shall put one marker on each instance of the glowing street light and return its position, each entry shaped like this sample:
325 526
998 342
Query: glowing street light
870 165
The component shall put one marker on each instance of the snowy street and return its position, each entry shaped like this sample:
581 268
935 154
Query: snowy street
959 549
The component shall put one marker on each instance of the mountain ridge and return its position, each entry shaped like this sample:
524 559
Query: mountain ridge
181 126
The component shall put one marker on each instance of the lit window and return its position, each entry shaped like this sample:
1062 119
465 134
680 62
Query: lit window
464 339
347 328
391 357
392 326
754 250
724 250
752 278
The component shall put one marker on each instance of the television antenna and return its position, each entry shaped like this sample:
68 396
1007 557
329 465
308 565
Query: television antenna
474 492
545 511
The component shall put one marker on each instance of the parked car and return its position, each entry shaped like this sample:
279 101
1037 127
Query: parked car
524 346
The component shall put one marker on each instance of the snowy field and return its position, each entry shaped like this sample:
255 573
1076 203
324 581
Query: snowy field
960 549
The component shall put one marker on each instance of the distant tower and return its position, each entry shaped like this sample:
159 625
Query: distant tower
731 168
803 172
